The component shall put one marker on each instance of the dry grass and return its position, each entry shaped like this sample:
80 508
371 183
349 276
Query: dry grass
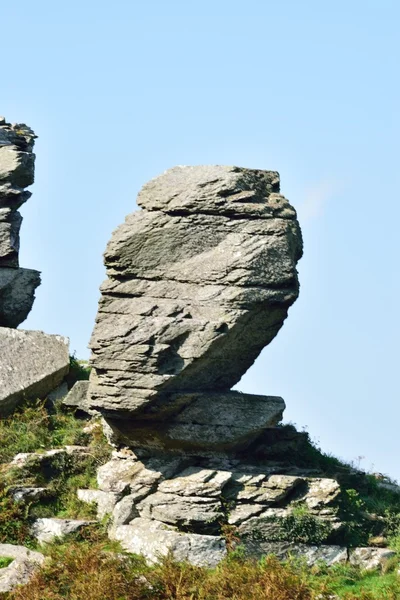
85 571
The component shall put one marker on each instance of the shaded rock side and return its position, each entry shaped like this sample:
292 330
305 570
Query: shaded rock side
32 365
17 294
199 282
17 163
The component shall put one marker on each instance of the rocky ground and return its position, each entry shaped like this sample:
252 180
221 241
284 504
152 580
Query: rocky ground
71 482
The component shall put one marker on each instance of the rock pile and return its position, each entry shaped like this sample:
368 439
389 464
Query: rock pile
199 282
17 285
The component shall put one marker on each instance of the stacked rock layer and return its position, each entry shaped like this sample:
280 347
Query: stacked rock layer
17 285
199 282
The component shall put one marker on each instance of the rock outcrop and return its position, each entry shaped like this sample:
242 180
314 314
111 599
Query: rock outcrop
17 285
32 364
199 282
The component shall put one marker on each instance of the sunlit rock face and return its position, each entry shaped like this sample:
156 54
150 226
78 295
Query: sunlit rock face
199 282
17 161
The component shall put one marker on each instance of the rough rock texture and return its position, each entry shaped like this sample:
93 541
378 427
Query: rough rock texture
17 286
47 529
199 282
153 540
22 567
32 365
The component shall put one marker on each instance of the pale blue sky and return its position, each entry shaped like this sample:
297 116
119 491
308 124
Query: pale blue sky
120 91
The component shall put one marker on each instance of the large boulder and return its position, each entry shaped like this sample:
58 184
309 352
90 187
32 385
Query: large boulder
32 365
17 286
199 282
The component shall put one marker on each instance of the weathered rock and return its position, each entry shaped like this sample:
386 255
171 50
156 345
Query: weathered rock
153 540
47 529
17 294
58 394
215 422
105 501
312 554
27 494
32 364
182 317
17 286
77 397
21 569
10 223
370 558
193 513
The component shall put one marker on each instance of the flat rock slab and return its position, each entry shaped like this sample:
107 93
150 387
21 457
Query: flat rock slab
211 422
153 540
199 282
24 564
32 365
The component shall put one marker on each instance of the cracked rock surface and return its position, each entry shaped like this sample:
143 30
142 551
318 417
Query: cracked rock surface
199 282
17 285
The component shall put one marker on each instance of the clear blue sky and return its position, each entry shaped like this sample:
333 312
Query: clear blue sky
120 91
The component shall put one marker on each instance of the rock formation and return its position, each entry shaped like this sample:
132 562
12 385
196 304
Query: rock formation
17 285
32 363
199 282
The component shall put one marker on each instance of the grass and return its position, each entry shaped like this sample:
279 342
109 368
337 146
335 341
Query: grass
5 561
89 568
35 429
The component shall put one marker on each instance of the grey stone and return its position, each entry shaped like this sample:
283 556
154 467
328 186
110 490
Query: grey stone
45 530
119 475
10 223
27 494
211 422
77 398
370 558
105 501
17 286
196 513
322 492
17 294
125 510
22 568
196 481
182 317
153 540
16 167
58 393
312 554
12 196
262 488
32 365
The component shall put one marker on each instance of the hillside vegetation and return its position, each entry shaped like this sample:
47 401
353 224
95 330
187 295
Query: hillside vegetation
87 566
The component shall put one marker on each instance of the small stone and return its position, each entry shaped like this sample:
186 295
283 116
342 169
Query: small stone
47 529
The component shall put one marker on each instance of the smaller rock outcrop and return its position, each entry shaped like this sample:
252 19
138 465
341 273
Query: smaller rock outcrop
17 285
25 562
32 364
